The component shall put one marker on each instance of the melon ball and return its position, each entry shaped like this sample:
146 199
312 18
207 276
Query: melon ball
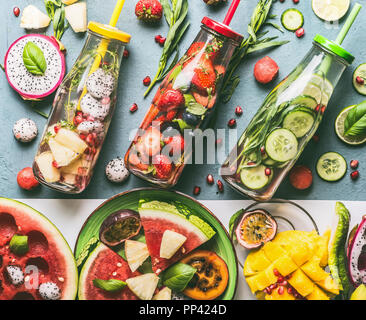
265 70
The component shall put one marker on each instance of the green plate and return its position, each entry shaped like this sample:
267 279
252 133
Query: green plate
220 243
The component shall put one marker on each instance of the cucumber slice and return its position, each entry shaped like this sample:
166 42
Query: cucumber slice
330 10
292 19
269 162
299 122
306 101
255 178
281 145
360 72
331 166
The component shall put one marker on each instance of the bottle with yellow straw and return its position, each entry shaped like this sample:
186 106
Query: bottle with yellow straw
82 110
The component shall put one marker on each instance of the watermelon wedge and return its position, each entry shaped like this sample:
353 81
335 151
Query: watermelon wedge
103 263
157 217
48 259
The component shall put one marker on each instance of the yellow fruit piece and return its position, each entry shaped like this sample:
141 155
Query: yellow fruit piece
285 265
313 270
251 281
290 239
328 284
259 282
270 274
359 293
276 296
300 253
317 294
273 251
322 252
255 262
301 283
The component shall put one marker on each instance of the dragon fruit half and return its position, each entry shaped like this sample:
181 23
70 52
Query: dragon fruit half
28 85
357 255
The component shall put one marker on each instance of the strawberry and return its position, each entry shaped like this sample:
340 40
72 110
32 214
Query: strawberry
220 69
204 100
171 99
195 48
136 161
175 143
151 141
149 10
163 167
204 76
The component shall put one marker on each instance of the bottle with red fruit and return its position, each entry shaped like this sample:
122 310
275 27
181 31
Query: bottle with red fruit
82 112
184 101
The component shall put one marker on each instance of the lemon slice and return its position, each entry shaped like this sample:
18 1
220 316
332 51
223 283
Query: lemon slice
339 128
330 10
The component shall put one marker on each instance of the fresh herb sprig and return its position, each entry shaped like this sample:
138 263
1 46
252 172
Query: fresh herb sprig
355 123
256 41
175 12
56 11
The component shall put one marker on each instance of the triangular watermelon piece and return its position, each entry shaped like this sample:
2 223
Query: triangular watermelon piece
157 217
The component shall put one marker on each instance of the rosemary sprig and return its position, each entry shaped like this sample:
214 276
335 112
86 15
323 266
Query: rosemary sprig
175 12
254 42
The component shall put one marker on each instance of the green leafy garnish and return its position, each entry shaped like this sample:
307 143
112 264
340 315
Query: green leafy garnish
178 276
33 59
232 222
111 285
193 106
19 244
56 11
355 123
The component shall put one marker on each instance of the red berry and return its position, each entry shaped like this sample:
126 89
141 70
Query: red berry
126 53
280 290
220 186
196 190
210 179
231 123
300 32
268 172
146 81
360 80
354 164
26 179
56 128
175 143
134 108
276 272
171 99
163 167
162 41
16 11
238 111
296 1
355 175
157 38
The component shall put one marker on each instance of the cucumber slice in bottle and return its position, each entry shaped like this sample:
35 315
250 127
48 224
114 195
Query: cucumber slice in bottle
299 122
360 72
281 145
313 90
269 162
255 178
292 19
330 10
306 101
331 166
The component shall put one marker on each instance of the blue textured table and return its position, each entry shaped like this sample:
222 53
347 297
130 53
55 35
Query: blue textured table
14 156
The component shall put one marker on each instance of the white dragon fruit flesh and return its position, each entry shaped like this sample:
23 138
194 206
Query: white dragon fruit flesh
49 291
93 107
15 275
116 171
25 130
87 127
28 85
357 255
100 83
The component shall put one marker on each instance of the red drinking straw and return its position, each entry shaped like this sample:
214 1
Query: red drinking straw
231 12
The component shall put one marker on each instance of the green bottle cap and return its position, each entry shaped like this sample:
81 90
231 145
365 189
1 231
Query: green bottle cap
334 48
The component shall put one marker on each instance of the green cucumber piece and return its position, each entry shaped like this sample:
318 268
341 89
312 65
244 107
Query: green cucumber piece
305 101
281 145
360 72
299 122
292 19
255 178
331 166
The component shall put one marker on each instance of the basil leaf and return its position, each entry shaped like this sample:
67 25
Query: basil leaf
355 123
178 276
193 106
33 59
19 244
111 285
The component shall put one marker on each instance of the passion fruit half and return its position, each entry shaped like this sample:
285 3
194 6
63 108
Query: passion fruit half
120 226
255 229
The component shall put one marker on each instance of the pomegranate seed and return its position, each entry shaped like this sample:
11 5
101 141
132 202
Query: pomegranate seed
89 139
251 163
157 38
296 1
273 286
283 283
360 80
56 128
280 290
79 113
238 111
323 109
16 11
300 32
263 150
276 272
78 120
146 81
162 41
126 53
82 136
231 123
196 190
268 172
282 1
355 175
316 138
220 186
280 279
290 290
210 179
55 164
134 108
317 108
354 164
268 291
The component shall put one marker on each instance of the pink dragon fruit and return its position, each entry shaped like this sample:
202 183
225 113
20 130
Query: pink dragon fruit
28 85
357 255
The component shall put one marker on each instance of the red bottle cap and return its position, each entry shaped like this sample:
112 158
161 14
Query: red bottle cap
222 29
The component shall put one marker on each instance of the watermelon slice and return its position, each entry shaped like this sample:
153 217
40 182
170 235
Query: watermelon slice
103 263
48 259
157 217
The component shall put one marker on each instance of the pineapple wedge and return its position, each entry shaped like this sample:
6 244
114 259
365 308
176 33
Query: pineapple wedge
71 140
164 294
76 15
68 2
63 155
33 18
170 243
73 168
136 253
143 286
44 163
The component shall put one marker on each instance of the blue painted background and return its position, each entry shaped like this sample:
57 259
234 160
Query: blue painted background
143 60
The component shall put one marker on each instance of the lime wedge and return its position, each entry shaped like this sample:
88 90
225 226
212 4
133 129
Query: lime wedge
339 128
330 10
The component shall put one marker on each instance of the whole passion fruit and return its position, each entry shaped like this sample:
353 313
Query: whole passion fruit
119 226
255 229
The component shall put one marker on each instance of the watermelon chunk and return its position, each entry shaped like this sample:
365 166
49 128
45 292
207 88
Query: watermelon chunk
157 217
48 259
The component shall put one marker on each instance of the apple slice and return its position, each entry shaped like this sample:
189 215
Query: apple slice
136 253
63 155
76 16
170 243
164 294
49 172
143 286
71 140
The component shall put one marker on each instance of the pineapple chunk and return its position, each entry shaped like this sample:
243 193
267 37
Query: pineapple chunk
73 168
301 283
170 243
164 294
329 285
76 16
285 265
63 155
49 172
69 178
143 286
256 261
317 294
71 140
136 253
273 251
68 2
33 18
313 270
